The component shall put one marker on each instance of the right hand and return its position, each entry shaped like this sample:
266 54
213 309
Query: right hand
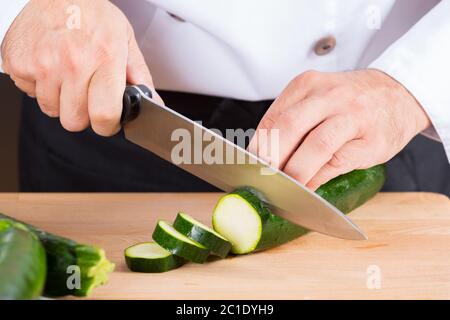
76 74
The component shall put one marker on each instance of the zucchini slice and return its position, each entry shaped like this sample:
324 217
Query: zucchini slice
247 222
202 234
22 263
149 257
62 253
170 239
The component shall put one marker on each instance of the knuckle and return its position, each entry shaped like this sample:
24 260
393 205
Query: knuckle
42 68
287 119
324 142
295 174
42 63
74 125
47 106
307 76
267 122
104 51
72 62
339 160
21 85
102 121
14 67
49 111
76 122
341 93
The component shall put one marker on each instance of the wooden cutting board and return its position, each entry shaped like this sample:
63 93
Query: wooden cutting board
407 256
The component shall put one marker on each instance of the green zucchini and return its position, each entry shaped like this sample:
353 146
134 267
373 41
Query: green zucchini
22 263
63 254
202 234
349 191
176 243
247 222
149 257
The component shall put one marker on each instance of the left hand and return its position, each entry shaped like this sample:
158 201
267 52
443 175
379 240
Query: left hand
332 123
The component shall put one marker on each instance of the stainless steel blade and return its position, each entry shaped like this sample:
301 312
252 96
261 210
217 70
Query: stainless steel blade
154 130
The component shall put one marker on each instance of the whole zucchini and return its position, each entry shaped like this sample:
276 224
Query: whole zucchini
22 263
247 222
62 254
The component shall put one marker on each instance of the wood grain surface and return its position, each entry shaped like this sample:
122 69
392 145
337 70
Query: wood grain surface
407 255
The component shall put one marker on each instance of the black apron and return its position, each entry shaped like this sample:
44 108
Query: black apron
54 160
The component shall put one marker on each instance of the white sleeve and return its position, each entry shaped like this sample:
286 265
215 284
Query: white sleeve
9 10
420 61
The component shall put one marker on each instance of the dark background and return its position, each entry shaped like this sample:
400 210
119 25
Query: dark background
422 166
10 105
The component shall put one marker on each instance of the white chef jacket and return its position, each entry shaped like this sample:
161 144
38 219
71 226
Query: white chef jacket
250 49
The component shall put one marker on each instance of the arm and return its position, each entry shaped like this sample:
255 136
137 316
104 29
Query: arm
420 61
75 57
9 10
332 123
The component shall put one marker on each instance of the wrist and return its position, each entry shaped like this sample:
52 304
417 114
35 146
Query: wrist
419 118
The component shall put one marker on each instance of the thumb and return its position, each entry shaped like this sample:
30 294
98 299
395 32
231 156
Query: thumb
137 69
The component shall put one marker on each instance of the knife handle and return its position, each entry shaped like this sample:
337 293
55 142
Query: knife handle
132 102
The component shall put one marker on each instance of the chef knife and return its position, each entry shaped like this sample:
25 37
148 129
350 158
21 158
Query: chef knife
158 128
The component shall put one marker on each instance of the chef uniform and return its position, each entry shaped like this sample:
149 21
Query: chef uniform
224 61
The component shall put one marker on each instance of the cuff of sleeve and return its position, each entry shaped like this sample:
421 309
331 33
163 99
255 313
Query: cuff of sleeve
9 11
399 64
431 133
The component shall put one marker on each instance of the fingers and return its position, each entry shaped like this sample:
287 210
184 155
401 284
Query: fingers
47 94
296 91
294 124
105 96
74 115
137 69
29 87
320 146
79 75
346 159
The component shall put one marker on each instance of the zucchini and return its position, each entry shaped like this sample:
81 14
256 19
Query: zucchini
62 254
173 241
22 263
247 222
202 234
149 257
349 191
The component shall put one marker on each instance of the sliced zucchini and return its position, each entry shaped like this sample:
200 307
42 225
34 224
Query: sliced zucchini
22 263
202 234
175 242
149 257
62 253
247 222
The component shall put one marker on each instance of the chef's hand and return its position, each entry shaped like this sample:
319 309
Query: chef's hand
332 123
77 72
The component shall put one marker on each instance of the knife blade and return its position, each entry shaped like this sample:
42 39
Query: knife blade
158 128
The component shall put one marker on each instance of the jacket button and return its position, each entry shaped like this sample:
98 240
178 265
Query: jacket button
174 16
325 45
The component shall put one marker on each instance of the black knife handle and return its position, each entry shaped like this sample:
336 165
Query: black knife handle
132 102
